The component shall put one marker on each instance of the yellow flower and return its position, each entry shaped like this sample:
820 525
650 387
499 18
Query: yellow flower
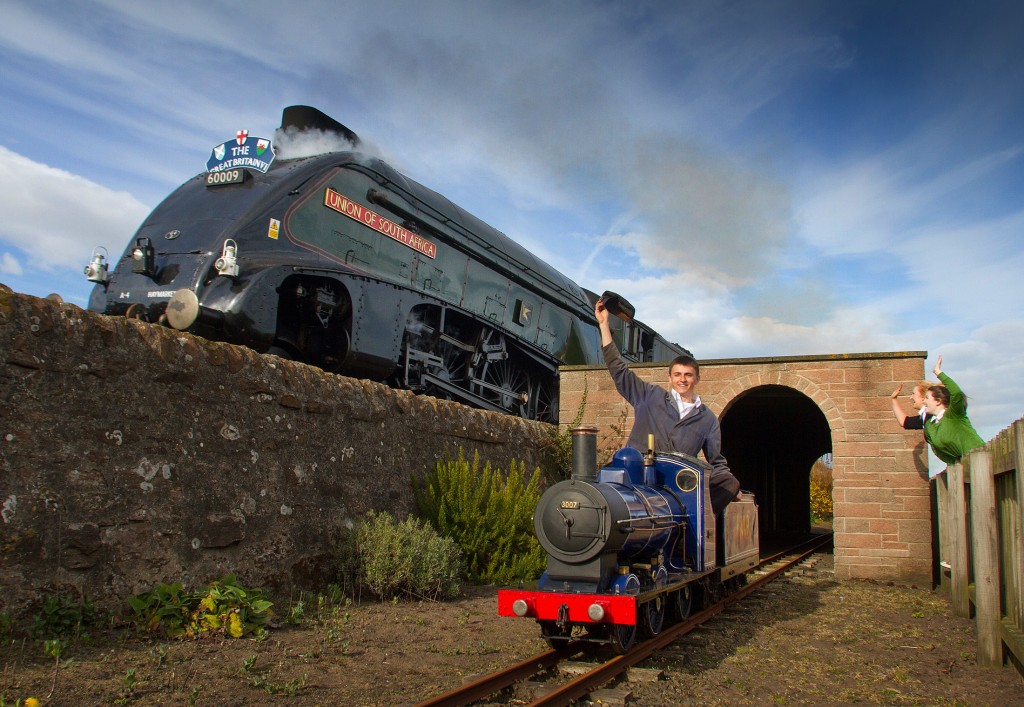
31 702
235 625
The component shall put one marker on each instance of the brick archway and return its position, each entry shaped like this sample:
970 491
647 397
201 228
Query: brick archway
880 472
769 460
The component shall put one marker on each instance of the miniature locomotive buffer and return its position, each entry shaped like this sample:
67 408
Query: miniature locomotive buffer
628 542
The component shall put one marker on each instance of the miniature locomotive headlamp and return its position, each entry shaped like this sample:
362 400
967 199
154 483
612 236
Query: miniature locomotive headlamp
596 612
227 263
143 257
96 271
520 607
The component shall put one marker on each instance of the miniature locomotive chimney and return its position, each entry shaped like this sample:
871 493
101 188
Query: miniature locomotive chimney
584 453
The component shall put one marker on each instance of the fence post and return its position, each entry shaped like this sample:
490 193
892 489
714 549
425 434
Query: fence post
956 512
985 556
1015 604
945 540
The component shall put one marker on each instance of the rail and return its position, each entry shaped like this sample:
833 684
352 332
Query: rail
981 544
486 686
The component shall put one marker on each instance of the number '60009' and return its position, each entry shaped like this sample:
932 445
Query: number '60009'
227 176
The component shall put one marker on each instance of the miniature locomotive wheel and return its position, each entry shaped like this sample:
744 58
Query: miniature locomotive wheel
654 615
683 603
622 637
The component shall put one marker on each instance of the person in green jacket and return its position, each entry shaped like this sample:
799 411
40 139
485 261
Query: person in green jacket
949 431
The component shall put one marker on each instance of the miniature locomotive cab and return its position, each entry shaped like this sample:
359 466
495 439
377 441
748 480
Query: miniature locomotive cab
338 260
631 545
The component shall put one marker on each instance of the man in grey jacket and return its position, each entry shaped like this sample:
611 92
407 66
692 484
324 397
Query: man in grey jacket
676 417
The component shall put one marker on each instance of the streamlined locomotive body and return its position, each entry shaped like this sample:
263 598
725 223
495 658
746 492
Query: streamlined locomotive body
340 261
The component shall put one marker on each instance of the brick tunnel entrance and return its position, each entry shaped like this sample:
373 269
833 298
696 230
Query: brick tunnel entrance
772 435
778 415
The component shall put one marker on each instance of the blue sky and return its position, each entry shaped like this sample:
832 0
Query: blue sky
759 178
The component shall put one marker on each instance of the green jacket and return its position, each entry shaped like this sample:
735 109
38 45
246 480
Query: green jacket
952 436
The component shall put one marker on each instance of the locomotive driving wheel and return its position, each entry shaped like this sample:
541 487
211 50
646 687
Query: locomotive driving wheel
506 385
622 637
654 615
453 365
499 377
543 405
683 604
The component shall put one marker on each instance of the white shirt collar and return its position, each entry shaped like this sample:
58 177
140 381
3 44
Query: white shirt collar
683 406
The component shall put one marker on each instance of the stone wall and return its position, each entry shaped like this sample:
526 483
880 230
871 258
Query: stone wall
132 454
880 472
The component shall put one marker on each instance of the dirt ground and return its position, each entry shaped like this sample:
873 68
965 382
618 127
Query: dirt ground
804 640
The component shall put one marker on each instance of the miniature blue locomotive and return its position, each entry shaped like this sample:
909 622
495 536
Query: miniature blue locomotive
629 542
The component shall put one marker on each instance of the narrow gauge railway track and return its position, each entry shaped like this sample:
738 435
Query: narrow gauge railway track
768 569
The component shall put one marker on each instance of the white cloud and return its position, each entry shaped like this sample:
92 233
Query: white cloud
9 265
56 218
986 366
700 160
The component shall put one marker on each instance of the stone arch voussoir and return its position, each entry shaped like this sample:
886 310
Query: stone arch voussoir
797 382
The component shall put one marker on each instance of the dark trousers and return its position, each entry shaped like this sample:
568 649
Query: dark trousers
724 487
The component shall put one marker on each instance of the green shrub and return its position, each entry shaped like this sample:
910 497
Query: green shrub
64 617
406 558
165 607
227 608
488 515
223 608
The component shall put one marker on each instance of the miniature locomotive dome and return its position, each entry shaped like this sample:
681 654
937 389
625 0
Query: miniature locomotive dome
627 467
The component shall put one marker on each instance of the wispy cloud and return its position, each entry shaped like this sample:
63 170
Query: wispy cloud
758 178
54 218
9 265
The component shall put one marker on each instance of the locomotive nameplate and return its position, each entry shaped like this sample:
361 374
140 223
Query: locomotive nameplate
357 212
228 176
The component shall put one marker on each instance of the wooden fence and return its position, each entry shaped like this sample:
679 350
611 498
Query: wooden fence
981 544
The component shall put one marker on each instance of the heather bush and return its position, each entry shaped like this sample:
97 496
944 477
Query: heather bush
405 558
